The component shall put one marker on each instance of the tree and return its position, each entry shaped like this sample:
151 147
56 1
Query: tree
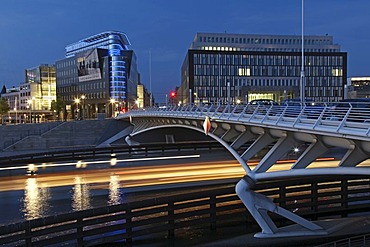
56 107
4 108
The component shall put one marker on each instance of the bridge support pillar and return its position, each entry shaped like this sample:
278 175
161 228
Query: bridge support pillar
354 156
261 142
316 148
259 206
242 138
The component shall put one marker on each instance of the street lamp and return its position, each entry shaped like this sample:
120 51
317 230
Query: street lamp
112 101
302 79
29 102
83 97
77 101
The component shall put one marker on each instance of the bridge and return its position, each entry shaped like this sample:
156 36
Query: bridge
316 127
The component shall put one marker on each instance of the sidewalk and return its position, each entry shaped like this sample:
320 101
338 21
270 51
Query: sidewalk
337 228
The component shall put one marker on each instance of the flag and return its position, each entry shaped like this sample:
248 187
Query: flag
206 125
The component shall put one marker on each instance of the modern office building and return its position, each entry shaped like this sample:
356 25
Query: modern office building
31 101
98 77
261 66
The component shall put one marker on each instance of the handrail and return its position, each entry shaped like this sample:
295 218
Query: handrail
343 118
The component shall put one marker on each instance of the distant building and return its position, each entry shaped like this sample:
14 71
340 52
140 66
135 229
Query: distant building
359 87
34 96
39 87
261 66
99 76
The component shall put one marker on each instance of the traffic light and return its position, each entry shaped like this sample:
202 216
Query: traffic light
173 94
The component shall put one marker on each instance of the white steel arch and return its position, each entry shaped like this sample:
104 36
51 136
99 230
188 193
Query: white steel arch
283 127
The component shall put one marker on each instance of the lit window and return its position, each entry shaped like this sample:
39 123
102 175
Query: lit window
337 72
244 72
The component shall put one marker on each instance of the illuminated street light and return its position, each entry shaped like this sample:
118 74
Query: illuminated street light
83 97
29 102
112 101
77 101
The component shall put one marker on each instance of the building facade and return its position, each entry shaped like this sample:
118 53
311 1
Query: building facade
359 87
248 67
98 77
31 101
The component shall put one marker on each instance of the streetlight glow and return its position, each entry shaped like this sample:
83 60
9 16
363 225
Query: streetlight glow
112 101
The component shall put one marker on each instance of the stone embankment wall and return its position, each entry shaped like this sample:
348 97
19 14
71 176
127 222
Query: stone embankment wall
46 136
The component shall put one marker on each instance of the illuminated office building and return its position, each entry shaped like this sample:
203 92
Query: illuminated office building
34 96
39 87
98 76
261 66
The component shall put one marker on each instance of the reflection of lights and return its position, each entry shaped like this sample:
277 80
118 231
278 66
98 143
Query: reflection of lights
81 164
32 167
81 195
114 193
113 161
296 150
35 200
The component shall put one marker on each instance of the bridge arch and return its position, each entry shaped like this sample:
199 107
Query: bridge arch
211 135
282 128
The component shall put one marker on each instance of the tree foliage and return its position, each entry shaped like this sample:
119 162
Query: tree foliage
57 106
4 108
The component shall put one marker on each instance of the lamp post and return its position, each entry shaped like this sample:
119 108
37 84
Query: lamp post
29 102
77 101
112 101
15 109
83 97
302 81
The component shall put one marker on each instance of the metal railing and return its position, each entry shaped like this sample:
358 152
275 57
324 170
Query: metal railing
334 117
357 241
72 154
135 220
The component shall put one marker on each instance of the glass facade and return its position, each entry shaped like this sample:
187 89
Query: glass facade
42 85
261 66
103 70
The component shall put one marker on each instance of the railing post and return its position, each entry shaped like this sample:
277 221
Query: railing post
314 200
128 226
344 197
213 213
282 197
28 234
171 220
80 237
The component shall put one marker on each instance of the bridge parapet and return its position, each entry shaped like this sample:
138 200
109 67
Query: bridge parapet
318 127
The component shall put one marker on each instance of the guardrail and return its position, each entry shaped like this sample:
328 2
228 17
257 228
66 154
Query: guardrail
130 221
94 152
337 117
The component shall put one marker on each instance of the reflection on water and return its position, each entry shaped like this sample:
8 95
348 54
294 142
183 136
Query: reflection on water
36 200
114 193
80 195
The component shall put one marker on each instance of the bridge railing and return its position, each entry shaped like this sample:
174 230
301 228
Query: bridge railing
142 219
338 117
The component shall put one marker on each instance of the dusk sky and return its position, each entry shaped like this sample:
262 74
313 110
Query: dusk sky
35 32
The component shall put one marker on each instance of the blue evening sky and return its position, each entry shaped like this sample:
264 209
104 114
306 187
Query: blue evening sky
36 32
